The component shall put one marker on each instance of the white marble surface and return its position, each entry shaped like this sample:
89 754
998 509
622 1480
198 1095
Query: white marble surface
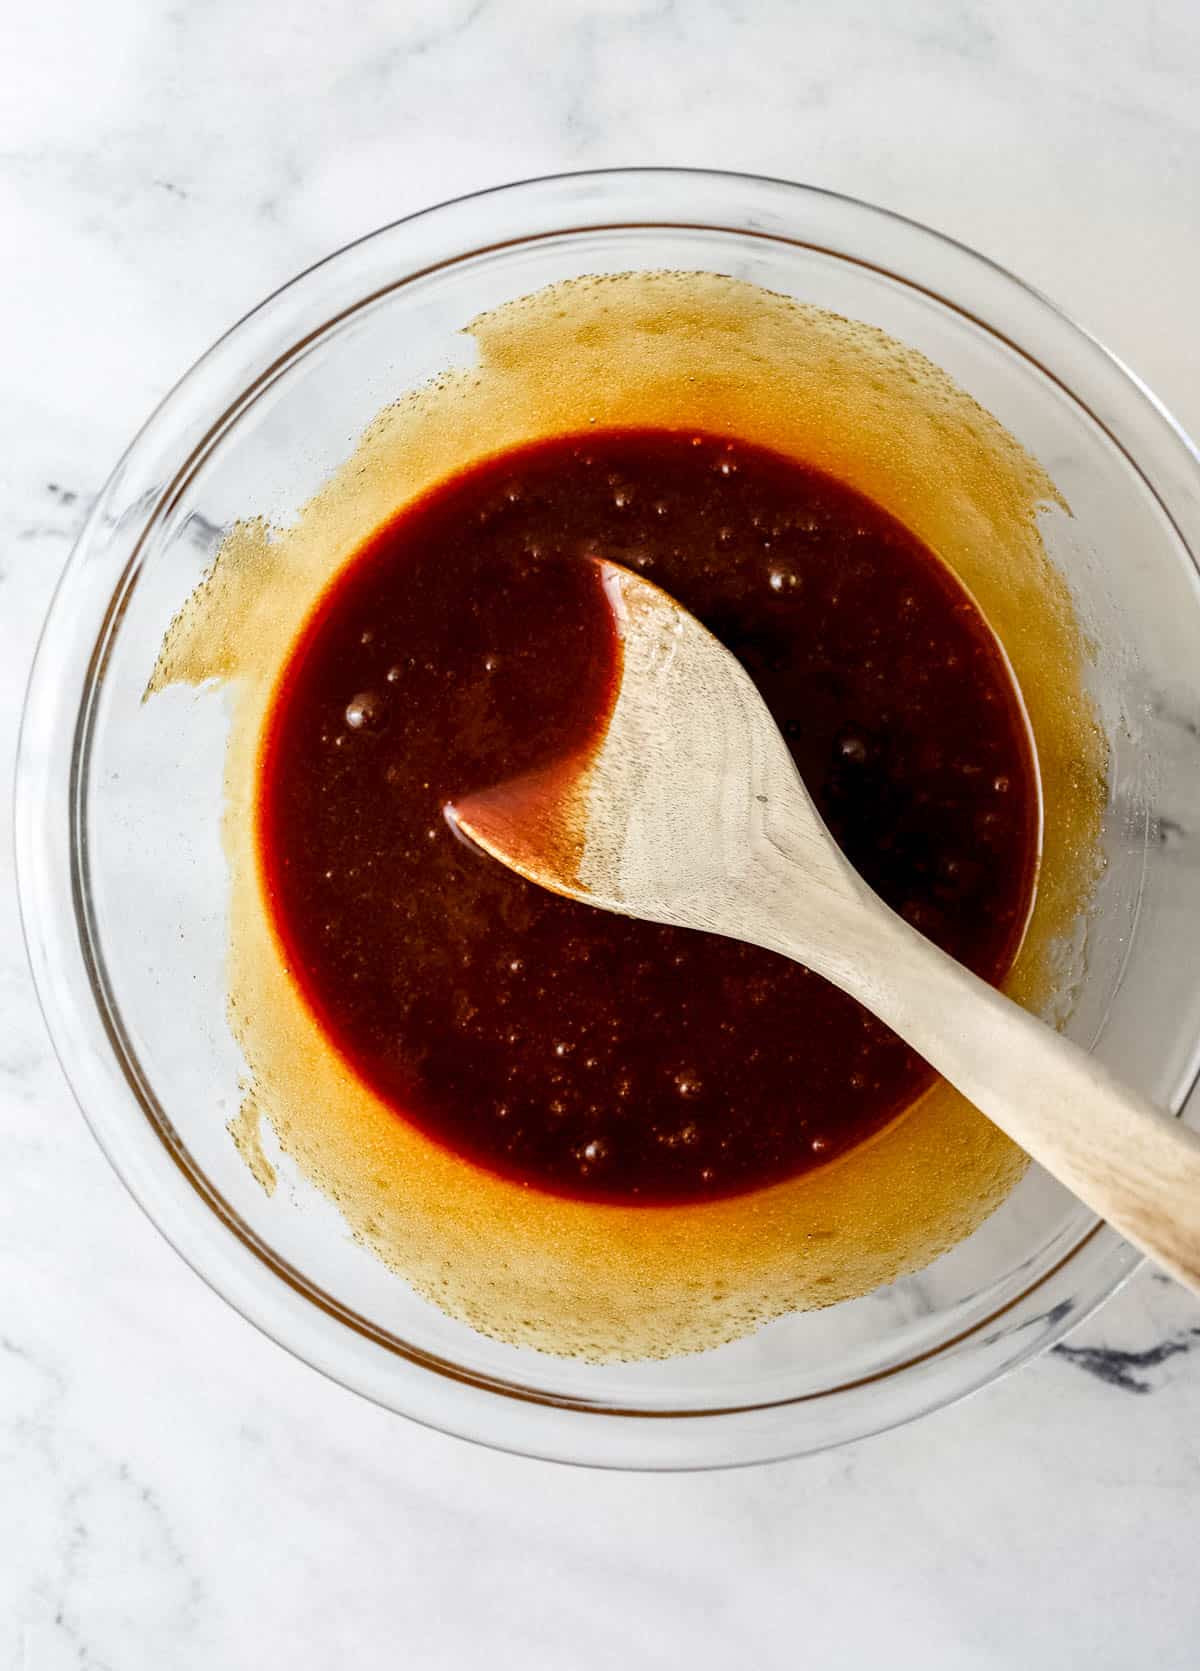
174 1490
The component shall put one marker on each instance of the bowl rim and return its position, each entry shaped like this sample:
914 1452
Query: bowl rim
32 810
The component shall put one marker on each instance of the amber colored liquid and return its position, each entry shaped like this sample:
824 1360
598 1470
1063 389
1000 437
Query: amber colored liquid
578 1052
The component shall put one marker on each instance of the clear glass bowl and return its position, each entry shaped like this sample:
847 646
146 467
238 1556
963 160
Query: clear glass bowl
124 888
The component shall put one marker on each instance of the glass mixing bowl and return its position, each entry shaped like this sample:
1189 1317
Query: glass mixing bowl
123 882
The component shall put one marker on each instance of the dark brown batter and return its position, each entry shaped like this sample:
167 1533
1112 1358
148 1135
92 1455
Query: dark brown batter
466 643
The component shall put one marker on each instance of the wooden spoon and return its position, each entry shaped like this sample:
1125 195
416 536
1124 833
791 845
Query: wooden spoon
690 811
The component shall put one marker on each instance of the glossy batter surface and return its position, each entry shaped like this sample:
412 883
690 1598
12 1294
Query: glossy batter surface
579 1052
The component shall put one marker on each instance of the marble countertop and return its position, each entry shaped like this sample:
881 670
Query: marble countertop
174 1490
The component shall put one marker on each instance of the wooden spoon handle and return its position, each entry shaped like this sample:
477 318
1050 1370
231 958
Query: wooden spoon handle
1132 1164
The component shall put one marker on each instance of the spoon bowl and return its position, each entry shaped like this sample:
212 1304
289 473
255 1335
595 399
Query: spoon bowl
674 814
